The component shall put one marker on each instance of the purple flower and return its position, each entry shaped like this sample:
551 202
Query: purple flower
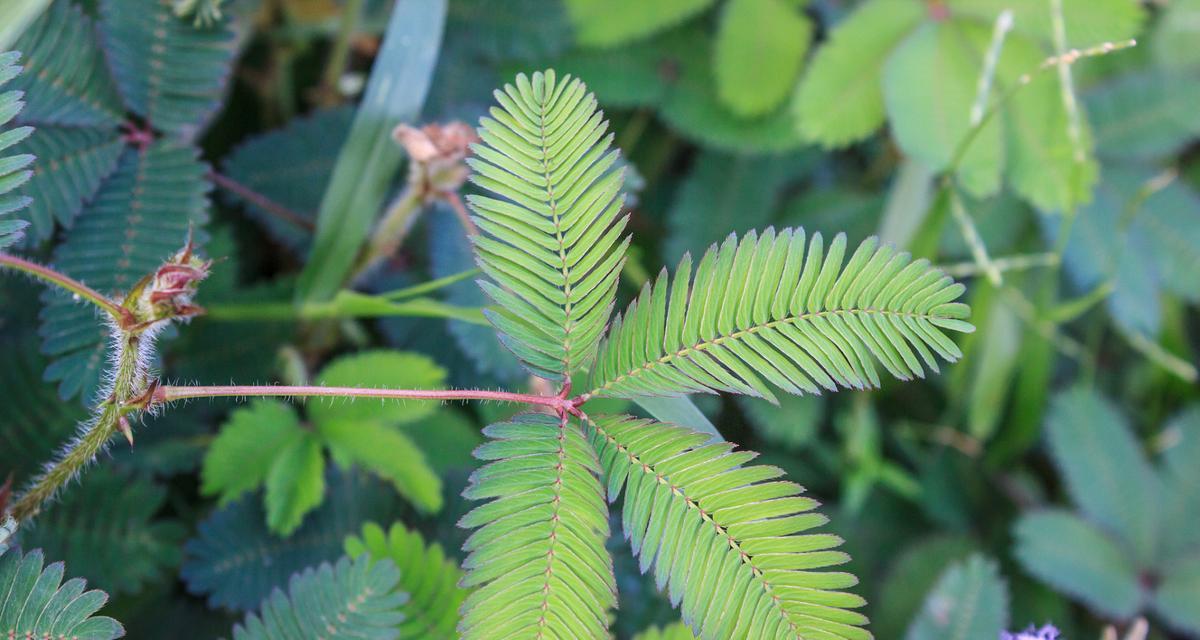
1048 632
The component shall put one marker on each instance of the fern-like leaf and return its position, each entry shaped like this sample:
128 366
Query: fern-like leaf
538 558
764 308
140 215
170 73
67 83
14 170
426 575
34 605
72 164
354 599
728 541
552 239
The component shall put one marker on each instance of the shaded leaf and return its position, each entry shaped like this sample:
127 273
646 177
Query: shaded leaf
969 601
759 47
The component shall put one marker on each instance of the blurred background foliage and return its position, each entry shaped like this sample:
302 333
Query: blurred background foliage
1050 476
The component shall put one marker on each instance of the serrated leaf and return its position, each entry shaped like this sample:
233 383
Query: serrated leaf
72 164
377 369
236 562
1105 469
389 453
295 483
428 577
1074 557
929 85
969 601
723 192
141 215
1181 484
912 575
66 82
1143 115
105 529
1177 595
1089 22
34 605
241 456
604 23
840 99
352 599
170 73
759 47
267 164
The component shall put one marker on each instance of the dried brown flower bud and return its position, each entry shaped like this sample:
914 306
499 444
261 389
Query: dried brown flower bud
168 293
438 151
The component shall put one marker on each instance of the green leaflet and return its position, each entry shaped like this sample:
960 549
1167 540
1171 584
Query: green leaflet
1073 556
1105 470
759 48
677 631
266 443
552 240
72 164
1090 22
106 529
34 605
13 168
729 542
352 599
800 320
426 575
930 83
910 576
604 23
1143 115
839 100
537 559
969 601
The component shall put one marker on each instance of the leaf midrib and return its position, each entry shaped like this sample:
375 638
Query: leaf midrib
751 330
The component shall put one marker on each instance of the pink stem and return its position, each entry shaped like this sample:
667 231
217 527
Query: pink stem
263 202
170 394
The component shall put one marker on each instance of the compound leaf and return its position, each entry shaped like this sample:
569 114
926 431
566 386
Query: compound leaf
729 542
14 170
537 559
34 605
241 456
759 48
378 368
391 454
765 309
969 601
426 575
295 483
552 240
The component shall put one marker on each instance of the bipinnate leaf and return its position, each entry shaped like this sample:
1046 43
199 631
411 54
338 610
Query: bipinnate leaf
604 23
731 544
295 483
72 164
241 456
14 169
760 45
1073 556
537 559
552 237
840 99
768 309
33 603
352 599
428 577
1105 470
969 601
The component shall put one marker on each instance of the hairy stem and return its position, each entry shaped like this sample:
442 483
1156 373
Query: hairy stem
128 383
166 394
63 281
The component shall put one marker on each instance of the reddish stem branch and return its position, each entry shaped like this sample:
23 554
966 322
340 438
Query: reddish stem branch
170 394
62 280
266 204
